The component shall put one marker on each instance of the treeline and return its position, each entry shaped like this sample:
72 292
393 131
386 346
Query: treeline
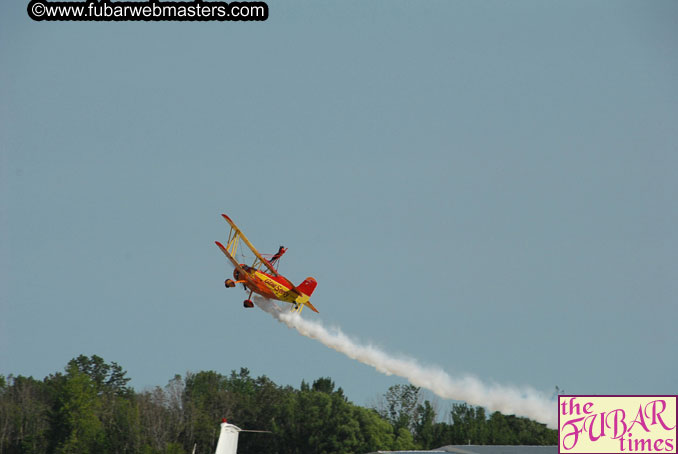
89 408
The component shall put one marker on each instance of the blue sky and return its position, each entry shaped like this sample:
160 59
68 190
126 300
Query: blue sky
485 186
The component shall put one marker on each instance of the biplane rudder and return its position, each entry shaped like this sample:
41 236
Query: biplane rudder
308 286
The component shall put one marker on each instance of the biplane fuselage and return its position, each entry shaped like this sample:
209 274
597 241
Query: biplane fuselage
269 286
261 277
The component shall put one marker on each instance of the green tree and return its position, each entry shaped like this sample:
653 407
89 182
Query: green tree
264 408
525 431
24 416
404 440
323 385
93 409
120 418
469 425
107 378
314 421
375 433
155 421
5 417
90 408
424 431
206 401
79 429
402 402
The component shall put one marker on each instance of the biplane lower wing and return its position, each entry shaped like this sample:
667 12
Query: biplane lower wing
229 256
241 272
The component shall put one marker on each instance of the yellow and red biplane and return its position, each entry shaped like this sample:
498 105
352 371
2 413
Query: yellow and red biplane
262 276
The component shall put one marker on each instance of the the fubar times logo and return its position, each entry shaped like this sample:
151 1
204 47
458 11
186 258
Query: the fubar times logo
617 424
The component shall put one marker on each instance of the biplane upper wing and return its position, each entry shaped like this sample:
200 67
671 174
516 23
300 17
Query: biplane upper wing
236 234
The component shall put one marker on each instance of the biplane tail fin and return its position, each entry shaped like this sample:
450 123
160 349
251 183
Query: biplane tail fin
307 286
306 289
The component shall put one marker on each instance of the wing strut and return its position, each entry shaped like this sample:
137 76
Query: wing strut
232 245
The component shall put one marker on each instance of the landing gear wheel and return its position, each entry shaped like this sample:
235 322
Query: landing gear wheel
248 303
229 283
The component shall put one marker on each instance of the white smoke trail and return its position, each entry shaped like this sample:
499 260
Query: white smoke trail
508 400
